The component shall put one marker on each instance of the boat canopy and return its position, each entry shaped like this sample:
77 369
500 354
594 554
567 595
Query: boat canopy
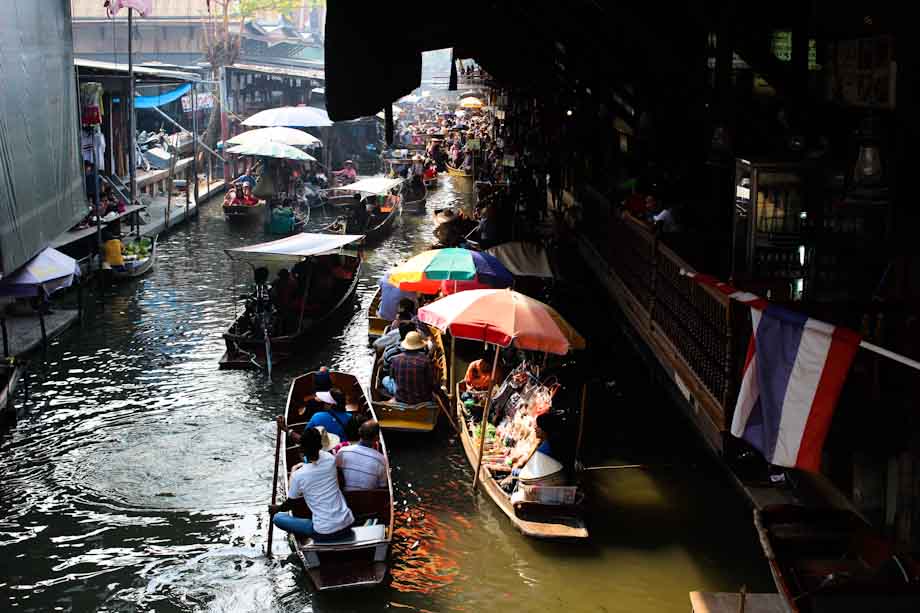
377 186
291 249
524 259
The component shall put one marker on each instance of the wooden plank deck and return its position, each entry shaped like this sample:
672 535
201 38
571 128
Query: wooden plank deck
730 602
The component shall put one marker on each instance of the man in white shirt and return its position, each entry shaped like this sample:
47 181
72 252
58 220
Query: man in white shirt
361 466
316 482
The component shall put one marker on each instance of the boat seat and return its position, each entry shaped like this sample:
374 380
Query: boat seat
355 536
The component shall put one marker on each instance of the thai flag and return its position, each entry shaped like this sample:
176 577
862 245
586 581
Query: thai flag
793 374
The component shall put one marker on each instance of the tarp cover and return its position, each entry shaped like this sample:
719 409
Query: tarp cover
291 249
523 259
46 273
149 102
41 175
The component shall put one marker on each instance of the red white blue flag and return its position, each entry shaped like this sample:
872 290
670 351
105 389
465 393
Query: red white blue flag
793 374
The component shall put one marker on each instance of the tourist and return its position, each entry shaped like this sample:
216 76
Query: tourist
361 466
395 349
245 197
352 433
412 378
316 483
346 175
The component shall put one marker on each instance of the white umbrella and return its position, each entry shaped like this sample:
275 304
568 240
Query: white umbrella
410 99
277 134
271 149
291 116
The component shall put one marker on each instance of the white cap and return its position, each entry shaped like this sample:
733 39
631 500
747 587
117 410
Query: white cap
325 397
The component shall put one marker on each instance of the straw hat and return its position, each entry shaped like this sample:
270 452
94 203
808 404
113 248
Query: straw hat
540 466
412 342
325 398
330 440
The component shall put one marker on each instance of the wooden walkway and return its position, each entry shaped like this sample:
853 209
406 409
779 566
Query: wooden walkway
25 332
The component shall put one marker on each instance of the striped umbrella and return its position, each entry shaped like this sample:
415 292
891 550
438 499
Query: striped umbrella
426 271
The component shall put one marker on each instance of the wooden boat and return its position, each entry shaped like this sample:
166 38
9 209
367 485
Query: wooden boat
381 220
463 179
135 267
375 324
422 417
330 255
537 520
832 560
415 197
11 371
244 212
360 560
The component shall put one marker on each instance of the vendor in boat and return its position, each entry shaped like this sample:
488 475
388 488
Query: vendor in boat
112 251
545 427
361 466
346 175
316 483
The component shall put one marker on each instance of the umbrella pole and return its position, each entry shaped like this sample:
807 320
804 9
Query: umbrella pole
453 356
6 340
483 425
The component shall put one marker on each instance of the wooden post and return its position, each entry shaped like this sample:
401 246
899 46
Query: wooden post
6 340
195 141
484 424
581 420
271 525
453 357
169 183
41 321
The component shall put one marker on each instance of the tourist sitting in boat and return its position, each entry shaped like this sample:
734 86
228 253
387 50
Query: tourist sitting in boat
229 197
334 415
346 175
412 374
396 348
361 466
316 483
351 432
245 197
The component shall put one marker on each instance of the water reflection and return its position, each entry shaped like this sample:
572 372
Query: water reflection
139 477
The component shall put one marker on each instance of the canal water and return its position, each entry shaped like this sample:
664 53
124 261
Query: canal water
139 476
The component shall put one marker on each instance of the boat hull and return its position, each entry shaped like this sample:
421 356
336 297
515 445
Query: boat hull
243 213
555 522
364 561
132 270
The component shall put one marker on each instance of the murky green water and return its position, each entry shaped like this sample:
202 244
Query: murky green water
139 477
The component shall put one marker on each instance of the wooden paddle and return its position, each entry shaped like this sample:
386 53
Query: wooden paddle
271 524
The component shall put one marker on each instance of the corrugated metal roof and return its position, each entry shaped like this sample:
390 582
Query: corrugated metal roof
139 69
281 69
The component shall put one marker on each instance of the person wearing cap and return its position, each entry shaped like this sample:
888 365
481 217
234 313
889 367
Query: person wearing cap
348 174
316 483
412 375
361 466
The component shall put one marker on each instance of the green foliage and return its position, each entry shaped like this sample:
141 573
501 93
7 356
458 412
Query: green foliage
247 8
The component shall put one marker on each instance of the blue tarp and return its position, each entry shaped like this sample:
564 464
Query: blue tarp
149 102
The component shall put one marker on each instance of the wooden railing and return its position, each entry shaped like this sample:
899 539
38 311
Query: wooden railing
690 327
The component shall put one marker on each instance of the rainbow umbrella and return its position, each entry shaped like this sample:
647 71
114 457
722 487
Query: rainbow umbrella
425 272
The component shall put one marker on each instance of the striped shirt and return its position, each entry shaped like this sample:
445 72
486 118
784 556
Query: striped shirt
363 468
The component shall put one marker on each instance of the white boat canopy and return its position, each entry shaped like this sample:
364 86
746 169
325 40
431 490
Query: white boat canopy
524 259
291 249
376 186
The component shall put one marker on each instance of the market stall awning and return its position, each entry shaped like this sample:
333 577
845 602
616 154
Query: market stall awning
150 102
376 186
46 273
291 249
524 259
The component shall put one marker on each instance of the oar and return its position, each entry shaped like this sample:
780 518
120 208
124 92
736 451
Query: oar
271 524
268 351
446 413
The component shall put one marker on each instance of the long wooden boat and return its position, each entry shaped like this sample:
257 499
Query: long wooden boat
244 212
422 417
134 268
543 521
246 346
832 560
415 197
360 560
463 179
